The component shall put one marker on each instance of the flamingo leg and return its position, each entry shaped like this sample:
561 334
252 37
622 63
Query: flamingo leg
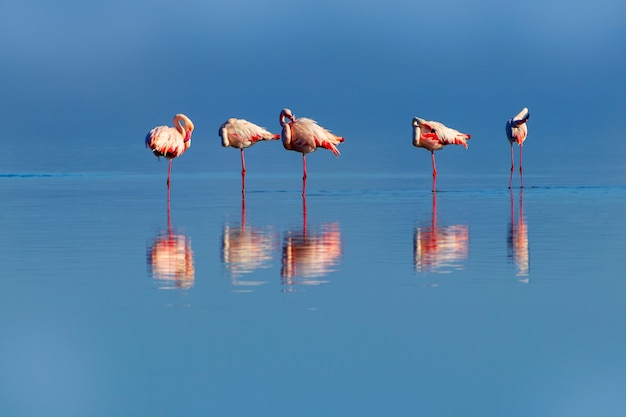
243 164
169 174
432 157
304 176
243 173
512 167
521 177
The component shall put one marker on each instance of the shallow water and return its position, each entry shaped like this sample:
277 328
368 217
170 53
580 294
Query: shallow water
371 296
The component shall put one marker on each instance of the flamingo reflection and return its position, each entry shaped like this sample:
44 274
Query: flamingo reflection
245 249
309 254
440 248
170 258
518 239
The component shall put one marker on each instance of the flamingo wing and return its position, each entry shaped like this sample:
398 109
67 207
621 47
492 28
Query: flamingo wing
311 135
516 133
446 135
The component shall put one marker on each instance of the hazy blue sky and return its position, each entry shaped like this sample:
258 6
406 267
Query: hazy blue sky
82 83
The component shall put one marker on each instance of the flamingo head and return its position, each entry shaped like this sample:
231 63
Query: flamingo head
184 125
416 131
286 113
223 132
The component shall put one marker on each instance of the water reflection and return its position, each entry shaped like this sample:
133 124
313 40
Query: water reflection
246 248
170 258
310 253
440 248
518 239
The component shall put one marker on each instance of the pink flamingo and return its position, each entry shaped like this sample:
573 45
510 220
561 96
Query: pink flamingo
241 134
171 142
434 136
305 136
516 132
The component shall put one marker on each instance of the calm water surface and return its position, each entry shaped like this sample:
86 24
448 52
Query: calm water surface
370 297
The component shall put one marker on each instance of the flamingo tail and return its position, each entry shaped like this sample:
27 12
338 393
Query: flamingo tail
460 141
331 147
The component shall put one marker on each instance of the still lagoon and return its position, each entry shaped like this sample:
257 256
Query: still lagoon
370 296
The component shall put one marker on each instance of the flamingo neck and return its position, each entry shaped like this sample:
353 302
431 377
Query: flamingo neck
182 127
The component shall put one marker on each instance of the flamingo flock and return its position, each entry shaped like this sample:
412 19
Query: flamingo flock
305 136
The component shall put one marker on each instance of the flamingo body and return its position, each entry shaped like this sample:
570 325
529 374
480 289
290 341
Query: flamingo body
171 142
434 136
241 134
516 129
516 132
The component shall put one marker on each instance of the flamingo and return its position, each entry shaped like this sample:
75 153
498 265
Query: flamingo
434 136
516 132
241 134
171 142
305 136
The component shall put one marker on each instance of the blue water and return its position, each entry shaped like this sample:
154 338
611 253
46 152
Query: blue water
370 297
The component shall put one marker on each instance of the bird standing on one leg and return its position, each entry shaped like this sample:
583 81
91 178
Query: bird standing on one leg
241 134
171 142
434 136
516 132
305 136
